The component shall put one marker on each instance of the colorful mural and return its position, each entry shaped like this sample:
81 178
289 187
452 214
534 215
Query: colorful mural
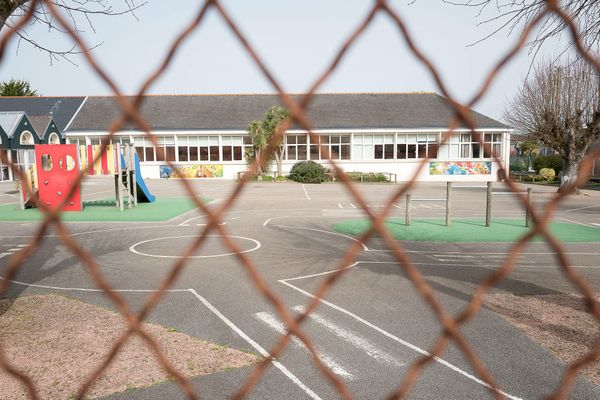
192 171
460 168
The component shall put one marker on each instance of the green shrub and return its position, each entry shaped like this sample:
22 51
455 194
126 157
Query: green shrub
518 165
307 172
548 174
280 178
532 178
367 177
555 162
264 178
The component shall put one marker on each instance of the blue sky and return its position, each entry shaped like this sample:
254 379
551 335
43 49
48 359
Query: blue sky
296 39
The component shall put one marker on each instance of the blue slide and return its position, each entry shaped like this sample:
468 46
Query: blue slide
143 194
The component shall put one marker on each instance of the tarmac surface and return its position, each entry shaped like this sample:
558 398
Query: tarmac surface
373 324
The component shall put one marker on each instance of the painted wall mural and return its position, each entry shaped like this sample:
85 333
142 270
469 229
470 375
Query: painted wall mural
192 171
460 168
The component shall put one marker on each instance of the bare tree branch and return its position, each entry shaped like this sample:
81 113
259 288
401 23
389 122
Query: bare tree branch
78 12
512 15
559 106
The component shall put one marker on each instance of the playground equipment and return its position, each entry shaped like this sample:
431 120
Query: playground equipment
57 170
57 166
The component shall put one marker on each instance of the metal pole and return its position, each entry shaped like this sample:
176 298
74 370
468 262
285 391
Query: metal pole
488 205
22 185
128 173
119 177
529 205
135 199
407 219
448 202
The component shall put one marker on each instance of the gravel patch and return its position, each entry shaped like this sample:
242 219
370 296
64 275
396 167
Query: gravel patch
558 322
58 341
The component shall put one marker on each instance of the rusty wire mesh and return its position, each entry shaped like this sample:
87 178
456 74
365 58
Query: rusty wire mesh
130 108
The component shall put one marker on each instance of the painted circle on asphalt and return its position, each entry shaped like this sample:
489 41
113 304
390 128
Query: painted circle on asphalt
162 246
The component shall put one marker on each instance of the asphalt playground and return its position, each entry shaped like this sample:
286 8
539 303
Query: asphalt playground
373 324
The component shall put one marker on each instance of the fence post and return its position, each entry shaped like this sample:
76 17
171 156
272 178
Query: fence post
407 218
448 202
529 205
488 205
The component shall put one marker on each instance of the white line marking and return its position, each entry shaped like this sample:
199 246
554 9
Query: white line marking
322 273
187 221
428 199
133 250
329 232
339 205
290 216
583 208
256 346
2 255
397 339
357 341
273 322
76 289
305 192
577 223
593 223
15 249
352 205
96 231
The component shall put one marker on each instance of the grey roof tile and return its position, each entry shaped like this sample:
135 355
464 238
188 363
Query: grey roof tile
40 124
235 112
62 109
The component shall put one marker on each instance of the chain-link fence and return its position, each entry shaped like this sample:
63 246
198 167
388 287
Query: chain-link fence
451 325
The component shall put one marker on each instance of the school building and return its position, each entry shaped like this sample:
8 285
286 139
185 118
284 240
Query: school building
207 134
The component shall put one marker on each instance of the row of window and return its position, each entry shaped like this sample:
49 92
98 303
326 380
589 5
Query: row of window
400 146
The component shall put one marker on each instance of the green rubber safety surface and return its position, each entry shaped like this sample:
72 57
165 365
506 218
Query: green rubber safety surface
469 230
162 209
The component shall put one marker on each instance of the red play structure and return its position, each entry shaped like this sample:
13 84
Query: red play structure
57 170
57 166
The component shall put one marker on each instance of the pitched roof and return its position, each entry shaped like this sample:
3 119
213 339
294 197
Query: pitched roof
235 112
9 122
40 124
61 109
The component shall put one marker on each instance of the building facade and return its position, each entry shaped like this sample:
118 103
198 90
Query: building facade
206 135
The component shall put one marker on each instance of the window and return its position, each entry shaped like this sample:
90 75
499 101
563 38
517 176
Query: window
26 138
384 147
465 145
78 140
233 148
120 140
165 148
296 147
411 145
144 148
53 138
338 147
492 145
209 148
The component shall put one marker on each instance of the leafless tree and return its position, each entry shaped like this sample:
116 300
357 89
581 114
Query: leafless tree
79 12
559 106
512 15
